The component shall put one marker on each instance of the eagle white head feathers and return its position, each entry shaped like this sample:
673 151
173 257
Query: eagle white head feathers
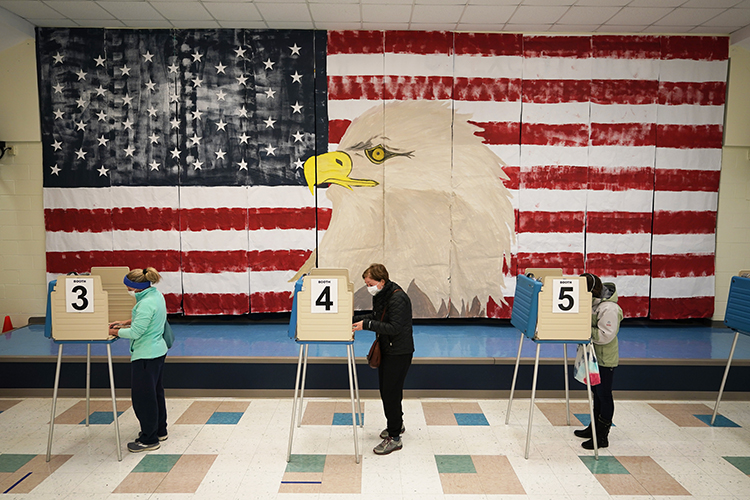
413 187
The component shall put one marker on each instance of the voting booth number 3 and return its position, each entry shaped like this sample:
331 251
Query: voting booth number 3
79 295
565 296
324 295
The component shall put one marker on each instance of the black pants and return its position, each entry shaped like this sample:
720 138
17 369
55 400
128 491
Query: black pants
391 376
147 394
604 404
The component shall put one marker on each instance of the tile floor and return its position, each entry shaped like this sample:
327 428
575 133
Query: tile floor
453 449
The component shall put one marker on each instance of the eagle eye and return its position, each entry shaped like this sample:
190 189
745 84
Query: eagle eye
378 154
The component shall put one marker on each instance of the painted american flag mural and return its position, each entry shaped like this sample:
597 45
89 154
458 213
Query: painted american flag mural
184 150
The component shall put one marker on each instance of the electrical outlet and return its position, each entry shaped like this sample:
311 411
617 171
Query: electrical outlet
12 151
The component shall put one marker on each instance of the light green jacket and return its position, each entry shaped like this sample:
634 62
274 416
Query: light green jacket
605 325
147 325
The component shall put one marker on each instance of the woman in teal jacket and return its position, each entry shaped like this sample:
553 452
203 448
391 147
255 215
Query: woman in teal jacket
148 350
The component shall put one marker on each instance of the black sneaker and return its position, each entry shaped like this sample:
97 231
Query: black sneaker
161 438
137 447
384 432
388 445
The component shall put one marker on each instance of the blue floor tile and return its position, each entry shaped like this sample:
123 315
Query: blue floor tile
721 421
225 418
100 418
346 419
585 419
471 419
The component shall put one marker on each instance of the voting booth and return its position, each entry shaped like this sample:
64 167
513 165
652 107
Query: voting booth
736 317
551 308
78 311
322 311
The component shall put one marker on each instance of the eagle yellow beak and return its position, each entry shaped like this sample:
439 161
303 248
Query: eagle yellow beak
333 168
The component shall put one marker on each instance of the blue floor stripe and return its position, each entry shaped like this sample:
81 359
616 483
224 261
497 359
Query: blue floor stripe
17 483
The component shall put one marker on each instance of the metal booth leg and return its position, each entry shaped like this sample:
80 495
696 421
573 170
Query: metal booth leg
302 388
567 388
88 384
352 376
533 394
114 401
54 402
356 390
724 379
294 404
513 384
587 357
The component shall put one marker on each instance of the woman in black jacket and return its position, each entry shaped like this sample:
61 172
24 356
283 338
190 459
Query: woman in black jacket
390 319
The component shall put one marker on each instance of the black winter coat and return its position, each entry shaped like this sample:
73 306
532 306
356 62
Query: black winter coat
390 319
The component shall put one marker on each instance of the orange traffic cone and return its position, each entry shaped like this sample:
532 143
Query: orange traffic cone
7 325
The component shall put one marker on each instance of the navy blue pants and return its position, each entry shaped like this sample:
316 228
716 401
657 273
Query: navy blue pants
391 376
147 394
604 403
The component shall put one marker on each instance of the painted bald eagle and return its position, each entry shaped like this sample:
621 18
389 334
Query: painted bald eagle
412 187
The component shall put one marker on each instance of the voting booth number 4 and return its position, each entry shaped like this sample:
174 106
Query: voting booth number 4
324 296
565 296
79 295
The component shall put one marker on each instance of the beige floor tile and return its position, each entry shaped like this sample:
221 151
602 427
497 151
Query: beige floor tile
501 484
140 482
198 413
233 406
661 484
461 484
621 484
187 474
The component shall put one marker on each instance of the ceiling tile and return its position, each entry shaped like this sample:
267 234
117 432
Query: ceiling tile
52 23
98 23
77 10
433 26
688 17
386 13
602 3
441 14
291 25
326 12
574 28
142 23
428 3
537 15
731 17
250 25
31 9
228 11
195 24
387 2
338 26
296 13
183 11
527 28
588 15
722 30
639 16
547 3
492 2
130 10
618 28
385 26
479 27
711 3
661 3
484 14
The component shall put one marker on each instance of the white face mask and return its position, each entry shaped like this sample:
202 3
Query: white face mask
131 293
373 290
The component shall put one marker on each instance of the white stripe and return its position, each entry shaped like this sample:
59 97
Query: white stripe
59 241
550 242
285 197
630 286
558 113
145 240
213 196
623 113
690 114
509 287
355 64
556 68
551 200
678 201
220 283
283 239
677 244
418 64
688 159
625 69
475 66
617 243
616 157
271 281
490 111
514 198
675 288
146 196
682 70
509 153
620 201
171 282
349 109
196 241
77 198
532 155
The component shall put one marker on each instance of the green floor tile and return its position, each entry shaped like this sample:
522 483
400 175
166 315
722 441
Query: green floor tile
157 463
605 465
742 463
11 462
455 464
306 463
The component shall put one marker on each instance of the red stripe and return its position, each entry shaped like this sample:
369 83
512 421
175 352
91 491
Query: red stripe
702 93
415 88
624 91
61 219
689 136
543 134
288 218
208 219
270 302
345 87
419 42
682 307
620 178
145 219
554 177
618 222
684 222
513 174
499 132
570 262
550 222
628 264
626 47
223 261
202 304
82 262
682 266
174 303
557 46
698 48
355 42
336 130
489 44
502 311
487 89
277 260
634 307
623 134
687 180
556 91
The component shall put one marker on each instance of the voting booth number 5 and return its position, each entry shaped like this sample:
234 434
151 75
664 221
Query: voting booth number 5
79 295
565 295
